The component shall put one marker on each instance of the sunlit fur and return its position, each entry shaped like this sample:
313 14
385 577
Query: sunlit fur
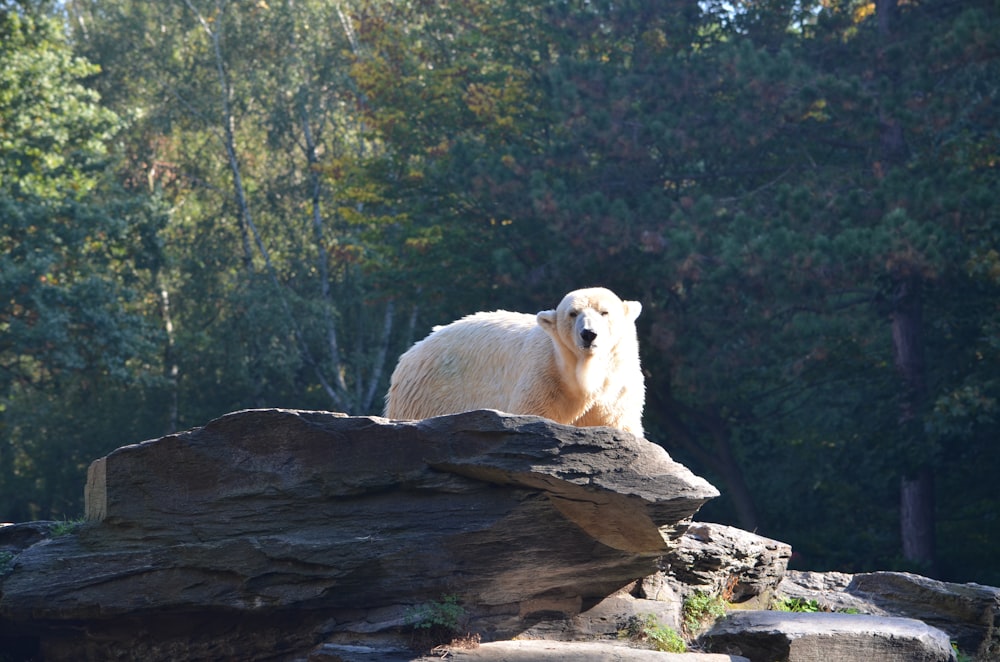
540 364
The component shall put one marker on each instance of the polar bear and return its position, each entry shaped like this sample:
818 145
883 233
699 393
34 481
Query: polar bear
577 364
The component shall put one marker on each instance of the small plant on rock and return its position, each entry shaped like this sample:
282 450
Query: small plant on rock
436 622
445 614
65 527
799 605
649 630
700 610
959 655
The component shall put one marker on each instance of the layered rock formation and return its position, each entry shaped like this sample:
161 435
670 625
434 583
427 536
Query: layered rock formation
292 535
830 637
968 613
275 530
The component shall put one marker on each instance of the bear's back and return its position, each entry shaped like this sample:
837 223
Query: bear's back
477 362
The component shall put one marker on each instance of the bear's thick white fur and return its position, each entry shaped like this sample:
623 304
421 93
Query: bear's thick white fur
577 364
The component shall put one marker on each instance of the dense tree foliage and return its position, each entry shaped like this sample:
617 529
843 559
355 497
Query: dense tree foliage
77 333
268 201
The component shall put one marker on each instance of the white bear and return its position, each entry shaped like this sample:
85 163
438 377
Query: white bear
577 365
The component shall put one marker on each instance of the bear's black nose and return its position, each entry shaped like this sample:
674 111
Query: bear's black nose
588 336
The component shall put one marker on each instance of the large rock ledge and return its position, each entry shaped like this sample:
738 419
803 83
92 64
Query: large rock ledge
267 532
317 537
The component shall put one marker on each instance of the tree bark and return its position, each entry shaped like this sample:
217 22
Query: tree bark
243 217
916 518
916 500
908 346
323 261
170 367
916 492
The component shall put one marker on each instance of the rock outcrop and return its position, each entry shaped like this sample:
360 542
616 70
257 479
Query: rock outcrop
968 613
276 530
293 535
723 560
765 636
561 651
713 559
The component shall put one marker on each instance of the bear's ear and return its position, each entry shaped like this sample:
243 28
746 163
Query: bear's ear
632 310
547 320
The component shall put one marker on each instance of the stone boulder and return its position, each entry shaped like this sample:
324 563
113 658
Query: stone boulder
722 560
558 651
713 559
521 650
774 636
277 530
968 613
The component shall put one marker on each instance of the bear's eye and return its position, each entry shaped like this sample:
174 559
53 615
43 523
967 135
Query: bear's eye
604 313
573 313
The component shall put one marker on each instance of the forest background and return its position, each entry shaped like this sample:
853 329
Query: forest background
208 205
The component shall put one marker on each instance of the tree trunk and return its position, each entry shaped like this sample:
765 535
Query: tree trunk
907 346
916 501
170 367
916 518
338 390
916 496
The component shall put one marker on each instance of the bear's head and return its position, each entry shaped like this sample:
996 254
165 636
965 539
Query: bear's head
591 321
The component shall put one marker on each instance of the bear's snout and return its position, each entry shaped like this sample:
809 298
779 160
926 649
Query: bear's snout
588 336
